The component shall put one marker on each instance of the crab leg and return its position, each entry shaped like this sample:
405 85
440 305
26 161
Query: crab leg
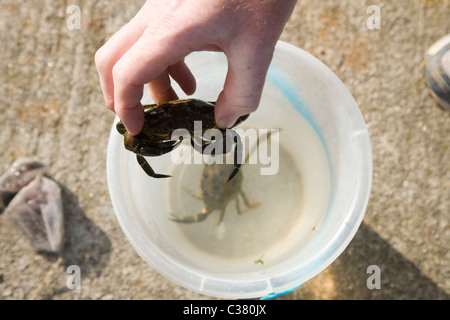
238 206
192 193
163 148
249 204
148 169
191 219
221 216
237 152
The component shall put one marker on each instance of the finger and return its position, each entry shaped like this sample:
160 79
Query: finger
107 56
243 85
183 76
145 61
161 89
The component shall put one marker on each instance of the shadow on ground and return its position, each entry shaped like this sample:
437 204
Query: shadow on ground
399 277
85 246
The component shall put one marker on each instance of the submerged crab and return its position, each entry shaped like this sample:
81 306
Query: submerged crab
161 120
216 195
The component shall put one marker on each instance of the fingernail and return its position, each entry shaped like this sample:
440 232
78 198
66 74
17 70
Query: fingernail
226 122
134 130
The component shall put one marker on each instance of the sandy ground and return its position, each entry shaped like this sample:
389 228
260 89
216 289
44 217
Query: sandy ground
52 108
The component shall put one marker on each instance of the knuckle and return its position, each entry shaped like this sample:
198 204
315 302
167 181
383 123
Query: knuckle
109 103
118 74
100 60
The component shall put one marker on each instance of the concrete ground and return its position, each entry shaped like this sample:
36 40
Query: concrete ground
51 107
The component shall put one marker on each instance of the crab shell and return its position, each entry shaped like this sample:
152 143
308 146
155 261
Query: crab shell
216 194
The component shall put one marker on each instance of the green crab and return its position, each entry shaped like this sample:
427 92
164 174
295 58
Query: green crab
161 120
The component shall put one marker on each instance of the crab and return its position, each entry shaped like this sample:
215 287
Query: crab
217 195
161 120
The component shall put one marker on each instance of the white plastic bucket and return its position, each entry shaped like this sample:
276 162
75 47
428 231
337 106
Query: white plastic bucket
297 85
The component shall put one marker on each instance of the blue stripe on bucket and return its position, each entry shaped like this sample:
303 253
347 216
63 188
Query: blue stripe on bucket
276 76
274 295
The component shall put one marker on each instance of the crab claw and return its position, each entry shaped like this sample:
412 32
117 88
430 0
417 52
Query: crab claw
191 219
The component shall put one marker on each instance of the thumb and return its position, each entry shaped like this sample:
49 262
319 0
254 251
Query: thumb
243 86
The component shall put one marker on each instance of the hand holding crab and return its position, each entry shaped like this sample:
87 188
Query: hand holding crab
161 120
151 48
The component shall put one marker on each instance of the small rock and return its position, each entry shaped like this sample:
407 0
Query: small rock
33 203
22 171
